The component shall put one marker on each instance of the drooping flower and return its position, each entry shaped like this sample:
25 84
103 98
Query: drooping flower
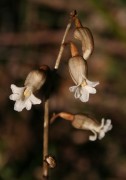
23 96
78 72
87 123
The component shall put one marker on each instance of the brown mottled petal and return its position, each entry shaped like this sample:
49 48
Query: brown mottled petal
84 122
85 36
35 79
77 69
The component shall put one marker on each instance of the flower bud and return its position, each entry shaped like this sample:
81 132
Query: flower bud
50 161
85 36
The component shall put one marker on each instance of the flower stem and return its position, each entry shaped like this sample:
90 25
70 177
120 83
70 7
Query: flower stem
72 16
45 137
46 105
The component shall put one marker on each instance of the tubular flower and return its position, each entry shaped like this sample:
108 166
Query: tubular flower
24 96
78 72
86 123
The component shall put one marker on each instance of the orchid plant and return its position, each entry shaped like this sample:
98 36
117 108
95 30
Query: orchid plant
24 96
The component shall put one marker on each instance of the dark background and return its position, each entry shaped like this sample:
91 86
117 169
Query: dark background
30 35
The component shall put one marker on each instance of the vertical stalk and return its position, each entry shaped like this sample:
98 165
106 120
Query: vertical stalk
62 46
46 105
45 137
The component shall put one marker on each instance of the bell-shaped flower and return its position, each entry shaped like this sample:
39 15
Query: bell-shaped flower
78 72
87 123
23 96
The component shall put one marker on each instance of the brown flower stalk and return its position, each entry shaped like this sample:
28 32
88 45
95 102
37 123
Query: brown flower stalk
46 108
72 17
45 138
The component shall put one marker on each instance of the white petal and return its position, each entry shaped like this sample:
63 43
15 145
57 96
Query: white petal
92 84
90 89
17 90
102 123
86 53
84 95
14 97
104 128
34 100
77 93
19 105
73 88
93 137
108 125
28 104
101 134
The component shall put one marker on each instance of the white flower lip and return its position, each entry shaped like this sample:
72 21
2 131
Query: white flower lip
99 131
82 92
21 101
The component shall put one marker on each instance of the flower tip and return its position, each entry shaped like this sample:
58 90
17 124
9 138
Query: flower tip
78 23
39 101
86 54
98 83
101 134
18 110
12 86
11 97
108 125
92 138
105 128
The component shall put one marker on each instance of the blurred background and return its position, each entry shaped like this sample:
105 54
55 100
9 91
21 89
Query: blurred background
30 35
